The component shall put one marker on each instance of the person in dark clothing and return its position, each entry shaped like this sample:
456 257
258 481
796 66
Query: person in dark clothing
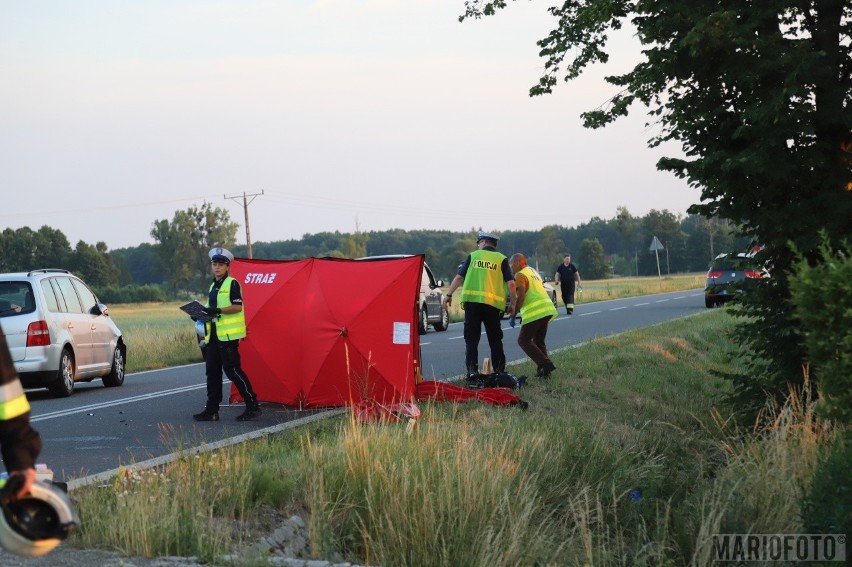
568 275
20 444
224 332
484 277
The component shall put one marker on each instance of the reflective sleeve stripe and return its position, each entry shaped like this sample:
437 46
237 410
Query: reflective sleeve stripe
13 402
13 408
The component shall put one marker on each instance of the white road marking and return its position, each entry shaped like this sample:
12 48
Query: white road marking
151 396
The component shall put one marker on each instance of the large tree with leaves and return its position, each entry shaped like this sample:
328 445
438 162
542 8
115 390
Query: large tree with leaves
757 94
183 243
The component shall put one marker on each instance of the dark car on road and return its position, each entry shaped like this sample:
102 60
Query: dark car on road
730 275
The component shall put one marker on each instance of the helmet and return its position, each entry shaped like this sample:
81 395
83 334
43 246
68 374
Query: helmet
38 522
487 236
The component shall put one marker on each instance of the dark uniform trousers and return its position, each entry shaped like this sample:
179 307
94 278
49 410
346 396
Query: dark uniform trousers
475 316
225 355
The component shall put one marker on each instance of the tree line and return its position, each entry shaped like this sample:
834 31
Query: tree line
601 248
176 263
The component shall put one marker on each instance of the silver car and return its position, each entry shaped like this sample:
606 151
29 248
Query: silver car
58 332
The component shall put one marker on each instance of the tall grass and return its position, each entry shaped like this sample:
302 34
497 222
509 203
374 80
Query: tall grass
622 458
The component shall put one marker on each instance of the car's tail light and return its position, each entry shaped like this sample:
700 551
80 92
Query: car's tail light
753 274
38 334
713 274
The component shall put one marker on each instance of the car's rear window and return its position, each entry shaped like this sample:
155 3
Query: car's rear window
733 264
16 297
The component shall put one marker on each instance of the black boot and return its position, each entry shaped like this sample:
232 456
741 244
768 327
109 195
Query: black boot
206 415
252 412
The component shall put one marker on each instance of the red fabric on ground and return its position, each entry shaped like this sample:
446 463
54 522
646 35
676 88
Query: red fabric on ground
445 392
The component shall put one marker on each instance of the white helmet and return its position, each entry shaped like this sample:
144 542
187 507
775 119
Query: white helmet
38 522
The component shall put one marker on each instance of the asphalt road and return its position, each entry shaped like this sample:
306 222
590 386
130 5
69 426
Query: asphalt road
149 418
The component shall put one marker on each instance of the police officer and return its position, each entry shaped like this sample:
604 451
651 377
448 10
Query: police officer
537 311
20 444
224 331
484 277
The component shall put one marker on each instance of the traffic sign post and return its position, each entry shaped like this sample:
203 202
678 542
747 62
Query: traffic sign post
655 247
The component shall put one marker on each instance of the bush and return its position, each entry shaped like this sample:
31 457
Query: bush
132 293
828 507
822 296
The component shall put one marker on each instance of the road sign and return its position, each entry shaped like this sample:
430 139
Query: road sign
656 245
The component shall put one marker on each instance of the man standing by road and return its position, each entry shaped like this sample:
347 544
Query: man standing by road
484 277
537 310
224 332
569 276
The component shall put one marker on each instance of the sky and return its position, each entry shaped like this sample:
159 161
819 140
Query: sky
345 114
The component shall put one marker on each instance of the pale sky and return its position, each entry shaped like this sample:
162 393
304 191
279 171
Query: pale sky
374 114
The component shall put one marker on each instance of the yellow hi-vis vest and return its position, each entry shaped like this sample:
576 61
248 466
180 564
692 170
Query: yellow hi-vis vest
13 401
229 326
537 304
483 282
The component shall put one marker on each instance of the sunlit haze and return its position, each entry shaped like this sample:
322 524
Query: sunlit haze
373 114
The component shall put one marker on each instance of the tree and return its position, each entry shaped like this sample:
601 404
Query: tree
94 265
550 250
183 244
757 95
592 260
354 245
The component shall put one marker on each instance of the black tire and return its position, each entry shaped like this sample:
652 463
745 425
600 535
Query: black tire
116 373
64 385
709 303
445 320
423 323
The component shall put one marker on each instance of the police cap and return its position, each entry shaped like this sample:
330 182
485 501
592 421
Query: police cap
221 255
487 236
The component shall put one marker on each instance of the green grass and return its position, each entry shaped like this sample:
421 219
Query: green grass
157 335
474 485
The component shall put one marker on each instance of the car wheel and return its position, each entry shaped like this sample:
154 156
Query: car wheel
64 384
445 320
423 324
116 373
709 303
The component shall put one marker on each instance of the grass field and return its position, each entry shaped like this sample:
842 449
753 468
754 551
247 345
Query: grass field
623 458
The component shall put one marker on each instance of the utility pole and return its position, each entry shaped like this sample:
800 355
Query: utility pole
246 202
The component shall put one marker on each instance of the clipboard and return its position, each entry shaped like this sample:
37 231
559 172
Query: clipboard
195 310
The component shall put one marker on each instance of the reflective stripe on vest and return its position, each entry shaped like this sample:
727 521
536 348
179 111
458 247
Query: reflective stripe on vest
483 282
229 326
537 304
13 401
